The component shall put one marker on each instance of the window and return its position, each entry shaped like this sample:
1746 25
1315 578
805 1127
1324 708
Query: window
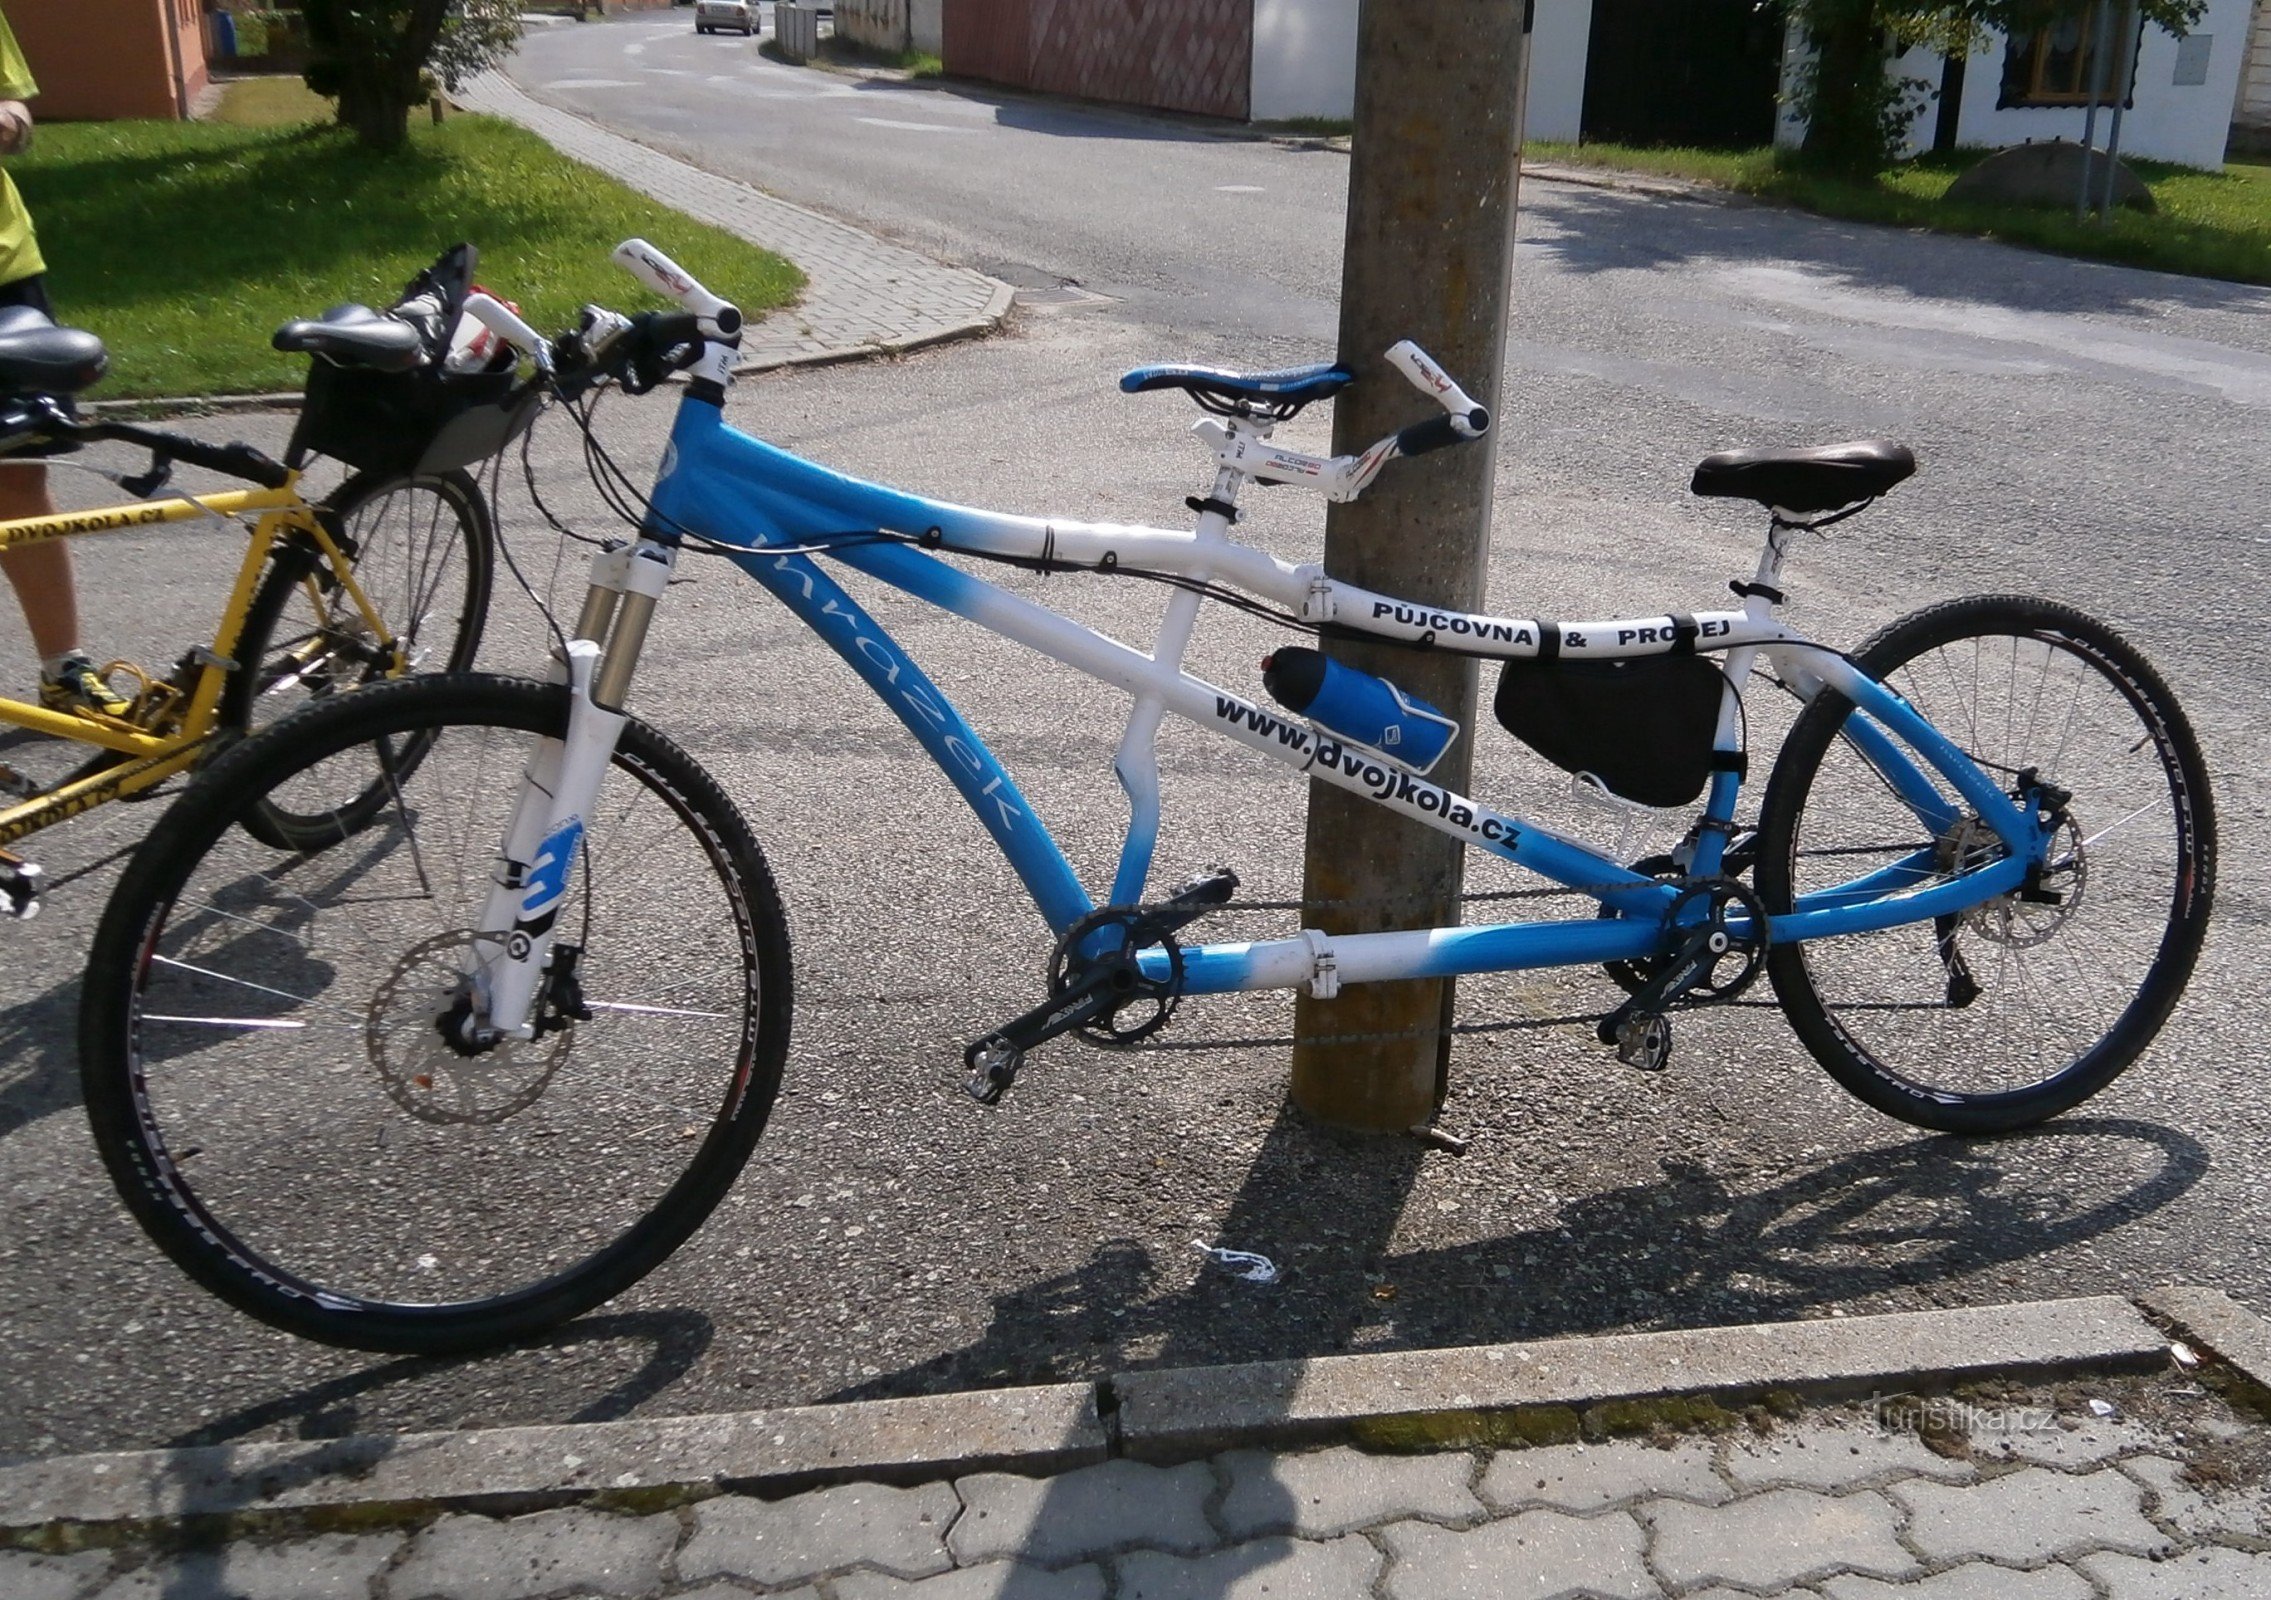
2055 66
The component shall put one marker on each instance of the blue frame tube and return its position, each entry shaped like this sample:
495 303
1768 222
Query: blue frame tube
747 494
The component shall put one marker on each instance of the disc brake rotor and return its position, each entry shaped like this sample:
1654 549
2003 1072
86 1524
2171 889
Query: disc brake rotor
419 1070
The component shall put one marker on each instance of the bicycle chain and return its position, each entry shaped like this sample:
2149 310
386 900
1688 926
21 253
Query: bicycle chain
1452 1030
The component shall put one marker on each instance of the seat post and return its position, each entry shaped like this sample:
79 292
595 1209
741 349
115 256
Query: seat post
1136 762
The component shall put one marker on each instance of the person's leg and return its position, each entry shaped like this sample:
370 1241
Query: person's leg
41 573
41 577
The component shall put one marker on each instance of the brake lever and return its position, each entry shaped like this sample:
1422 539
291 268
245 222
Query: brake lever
142 485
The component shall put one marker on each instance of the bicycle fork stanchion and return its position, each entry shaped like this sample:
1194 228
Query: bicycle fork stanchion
519 921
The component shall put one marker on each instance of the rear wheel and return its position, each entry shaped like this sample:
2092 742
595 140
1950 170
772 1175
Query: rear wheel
266 1070
2022 1007
424 557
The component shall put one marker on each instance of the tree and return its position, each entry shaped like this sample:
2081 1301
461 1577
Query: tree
1856 113
383 57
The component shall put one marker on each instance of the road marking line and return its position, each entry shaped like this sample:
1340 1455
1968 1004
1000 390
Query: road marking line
1239 188
590 83
912 127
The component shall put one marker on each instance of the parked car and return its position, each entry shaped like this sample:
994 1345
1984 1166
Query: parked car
732 16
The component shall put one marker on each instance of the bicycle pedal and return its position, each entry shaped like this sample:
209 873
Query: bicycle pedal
993 1062
1644 1040
1209 891
19 890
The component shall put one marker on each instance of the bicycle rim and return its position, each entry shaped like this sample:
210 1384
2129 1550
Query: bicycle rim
422 556
271 1091
2024 1006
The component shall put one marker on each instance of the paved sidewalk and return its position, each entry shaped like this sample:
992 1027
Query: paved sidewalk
2040 1502
2134 1464
862 296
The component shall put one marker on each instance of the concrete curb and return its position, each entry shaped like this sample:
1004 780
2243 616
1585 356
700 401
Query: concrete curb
1431 1399
1633 183
988 322
2219 1325
376 1477
1455 1398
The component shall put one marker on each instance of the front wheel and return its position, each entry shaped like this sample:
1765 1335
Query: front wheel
423 554
272 1090
2024 1006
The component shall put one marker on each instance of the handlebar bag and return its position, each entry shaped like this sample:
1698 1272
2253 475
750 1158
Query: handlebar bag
428 419
1643 726
388 422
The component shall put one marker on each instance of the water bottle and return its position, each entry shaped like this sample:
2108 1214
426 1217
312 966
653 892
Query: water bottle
1359 707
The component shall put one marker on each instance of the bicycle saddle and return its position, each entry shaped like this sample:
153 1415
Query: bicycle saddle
37 357
1290 388
1822 478
356 336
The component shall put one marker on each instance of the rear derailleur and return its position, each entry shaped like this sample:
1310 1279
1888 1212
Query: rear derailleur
1713 962
1098 986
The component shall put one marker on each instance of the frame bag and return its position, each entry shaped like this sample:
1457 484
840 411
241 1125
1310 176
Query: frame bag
1643 726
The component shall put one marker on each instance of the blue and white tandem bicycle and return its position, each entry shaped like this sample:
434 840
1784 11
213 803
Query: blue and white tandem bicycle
495 1051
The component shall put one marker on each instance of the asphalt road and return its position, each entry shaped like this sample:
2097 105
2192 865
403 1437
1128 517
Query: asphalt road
2087 432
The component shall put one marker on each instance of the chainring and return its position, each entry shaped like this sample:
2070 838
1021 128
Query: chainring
1067 966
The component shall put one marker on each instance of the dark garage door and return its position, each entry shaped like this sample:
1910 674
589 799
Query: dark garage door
1700 72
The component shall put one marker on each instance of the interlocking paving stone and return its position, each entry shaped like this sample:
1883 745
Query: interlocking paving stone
1334 1491
1113 1506
1585 1477
861 293
1776 1538
1266 1569
2195 1575
1533 1556
2028 1516
26 1576
2068 1442
481 1558
995 1580
1978 1581
328 1567
1830 1455
902 1531
722 1590
2197 1514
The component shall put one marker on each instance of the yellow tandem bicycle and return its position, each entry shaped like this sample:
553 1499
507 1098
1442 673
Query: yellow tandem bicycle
388 574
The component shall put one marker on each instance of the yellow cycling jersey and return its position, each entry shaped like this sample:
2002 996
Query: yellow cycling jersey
19 246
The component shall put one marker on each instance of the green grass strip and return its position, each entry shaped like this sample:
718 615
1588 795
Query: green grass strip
185 245
2210 224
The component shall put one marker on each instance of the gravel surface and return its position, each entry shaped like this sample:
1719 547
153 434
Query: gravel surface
2090 433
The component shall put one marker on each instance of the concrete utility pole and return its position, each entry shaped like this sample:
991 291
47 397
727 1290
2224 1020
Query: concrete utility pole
1439 91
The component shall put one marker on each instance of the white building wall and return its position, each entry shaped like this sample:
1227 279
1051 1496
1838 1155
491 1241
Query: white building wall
1305 62
1561 37
2187 124
926 26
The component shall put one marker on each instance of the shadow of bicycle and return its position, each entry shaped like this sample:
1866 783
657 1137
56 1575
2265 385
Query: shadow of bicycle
674 1342
1686 1250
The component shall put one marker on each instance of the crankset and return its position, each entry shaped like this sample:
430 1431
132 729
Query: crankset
1712 964
1098 987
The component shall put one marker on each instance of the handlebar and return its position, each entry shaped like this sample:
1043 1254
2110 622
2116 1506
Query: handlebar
234 460
503 321
1419 369
720 318
1346 477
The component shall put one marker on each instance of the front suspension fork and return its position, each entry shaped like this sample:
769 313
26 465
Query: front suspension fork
511 951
